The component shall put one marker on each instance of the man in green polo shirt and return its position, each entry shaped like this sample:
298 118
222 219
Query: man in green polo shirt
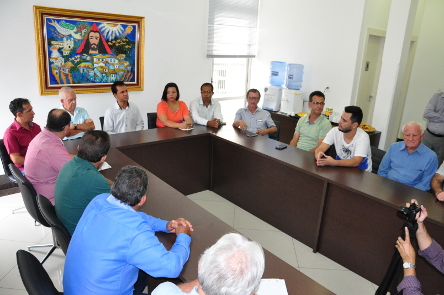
79 181
311 129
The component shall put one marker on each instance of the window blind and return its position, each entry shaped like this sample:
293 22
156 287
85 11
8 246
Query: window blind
232 28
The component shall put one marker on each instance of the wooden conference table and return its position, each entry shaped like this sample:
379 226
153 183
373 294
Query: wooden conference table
346 214
166 202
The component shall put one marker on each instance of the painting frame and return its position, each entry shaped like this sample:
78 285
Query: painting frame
66 58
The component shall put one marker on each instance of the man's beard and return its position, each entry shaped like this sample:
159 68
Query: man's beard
94 46
345 130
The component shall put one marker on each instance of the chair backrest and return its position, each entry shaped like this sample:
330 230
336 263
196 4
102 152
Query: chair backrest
62 235
152 117
34 276
377 156
275 135
101 121
29 195
6 160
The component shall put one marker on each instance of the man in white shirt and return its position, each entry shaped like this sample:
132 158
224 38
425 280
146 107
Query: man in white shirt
206 110
352 144
122 117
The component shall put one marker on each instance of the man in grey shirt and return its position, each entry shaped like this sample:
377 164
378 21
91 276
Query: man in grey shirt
434 134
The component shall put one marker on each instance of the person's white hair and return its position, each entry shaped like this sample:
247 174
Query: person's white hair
63 90
234 265
413 124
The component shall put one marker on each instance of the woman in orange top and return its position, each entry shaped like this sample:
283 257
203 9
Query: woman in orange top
170 111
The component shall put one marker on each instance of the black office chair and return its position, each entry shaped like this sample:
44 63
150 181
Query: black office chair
29 196
275 135
152 117
62 235
102 119
34 276
377 156
6 160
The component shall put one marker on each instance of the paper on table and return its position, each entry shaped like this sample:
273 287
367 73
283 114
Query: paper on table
272 287
104 166
186 129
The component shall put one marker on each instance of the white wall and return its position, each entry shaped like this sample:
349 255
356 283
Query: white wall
175 51
322 35
428 71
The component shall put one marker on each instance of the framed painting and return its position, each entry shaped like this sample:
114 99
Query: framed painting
88 51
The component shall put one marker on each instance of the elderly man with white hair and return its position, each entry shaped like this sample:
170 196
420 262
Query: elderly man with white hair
234 265
80 120
410 161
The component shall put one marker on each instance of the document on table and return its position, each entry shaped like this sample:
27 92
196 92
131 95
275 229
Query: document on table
104 166
272 287
186 129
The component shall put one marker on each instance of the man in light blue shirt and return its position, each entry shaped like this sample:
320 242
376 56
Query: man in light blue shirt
114 245
80 120
234 265
410 161
253 118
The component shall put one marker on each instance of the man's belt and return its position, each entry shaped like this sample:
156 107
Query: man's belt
437 135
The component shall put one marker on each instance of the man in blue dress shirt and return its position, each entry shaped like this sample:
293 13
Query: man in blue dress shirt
410 161
113 245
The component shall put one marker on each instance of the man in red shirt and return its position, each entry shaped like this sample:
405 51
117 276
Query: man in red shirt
20 133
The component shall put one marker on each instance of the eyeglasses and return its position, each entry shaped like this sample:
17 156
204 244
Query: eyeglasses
318 103
250 97
206 92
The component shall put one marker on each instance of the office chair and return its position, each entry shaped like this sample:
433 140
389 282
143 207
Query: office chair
62 235
29 196
152 117
6 160
377 156
102 119
275 135
34 276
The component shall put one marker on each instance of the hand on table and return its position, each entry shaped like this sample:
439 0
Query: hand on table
180 225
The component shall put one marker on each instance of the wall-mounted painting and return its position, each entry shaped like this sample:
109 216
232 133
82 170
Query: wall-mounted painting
88 51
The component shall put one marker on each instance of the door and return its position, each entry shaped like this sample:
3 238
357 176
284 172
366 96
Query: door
368 84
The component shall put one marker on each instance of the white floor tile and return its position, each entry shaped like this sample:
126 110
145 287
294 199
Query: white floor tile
20 227
8 258
243 219
276 242
206 195
221 210
339 281
11 201
12 292
308 259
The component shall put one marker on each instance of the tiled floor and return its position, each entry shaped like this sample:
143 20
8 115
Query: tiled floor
321 269
17 231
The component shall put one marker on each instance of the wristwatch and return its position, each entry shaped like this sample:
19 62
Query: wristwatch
408 265
75 126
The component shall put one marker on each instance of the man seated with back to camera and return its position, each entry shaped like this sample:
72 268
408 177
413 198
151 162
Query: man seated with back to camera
428 248
114 246
410 161
352 144
234 265
312 129
79 181
253 118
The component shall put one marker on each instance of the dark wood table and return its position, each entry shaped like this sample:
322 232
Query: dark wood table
346 214
288 125
166 202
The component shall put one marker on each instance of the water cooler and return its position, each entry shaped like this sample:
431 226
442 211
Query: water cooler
272 98
293 101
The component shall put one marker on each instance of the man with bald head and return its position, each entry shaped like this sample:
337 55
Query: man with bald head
410 161
46 154
80 120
